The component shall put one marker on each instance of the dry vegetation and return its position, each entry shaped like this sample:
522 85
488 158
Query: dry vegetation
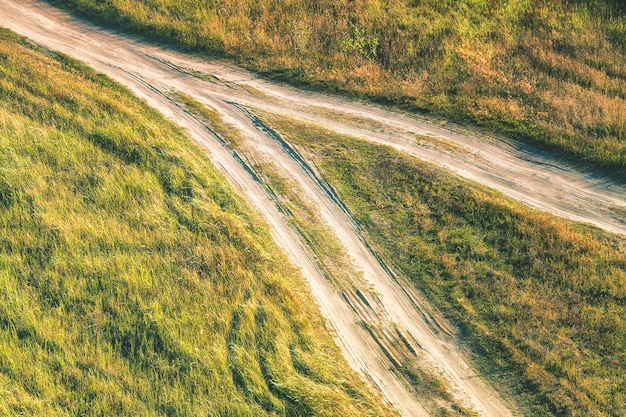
551 72
541 299
133 280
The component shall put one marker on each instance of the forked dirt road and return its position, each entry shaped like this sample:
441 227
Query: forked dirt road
152 73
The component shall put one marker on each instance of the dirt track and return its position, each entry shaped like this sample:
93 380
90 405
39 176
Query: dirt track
382 301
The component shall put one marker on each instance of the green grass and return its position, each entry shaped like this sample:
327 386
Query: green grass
549 72
542 300
134 280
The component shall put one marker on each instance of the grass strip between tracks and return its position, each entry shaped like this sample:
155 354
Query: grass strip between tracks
332 260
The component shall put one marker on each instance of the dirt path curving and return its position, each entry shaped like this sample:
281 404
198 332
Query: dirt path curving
152 73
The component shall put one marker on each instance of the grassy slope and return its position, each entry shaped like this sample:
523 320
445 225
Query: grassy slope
552 72
133 280
544 299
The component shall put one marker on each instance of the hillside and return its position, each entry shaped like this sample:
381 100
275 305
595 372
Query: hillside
549 72
134 280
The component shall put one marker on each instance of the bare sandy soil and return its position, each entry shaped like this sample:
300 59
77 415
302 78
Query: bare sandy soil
398 312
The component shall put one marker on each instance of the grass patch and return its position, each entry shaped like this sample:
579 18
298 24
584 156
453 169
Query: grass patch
541 299
134 280
551 73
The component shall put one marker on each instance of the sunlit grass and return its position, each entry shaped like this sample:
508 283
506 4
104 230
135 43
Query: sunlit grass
134 280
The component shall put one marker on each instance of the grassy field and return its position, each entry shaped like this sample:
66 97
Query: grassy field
542 300
549 72
134 281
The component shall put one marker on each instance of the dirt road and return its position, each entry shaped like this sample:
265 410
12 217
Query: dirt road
381 301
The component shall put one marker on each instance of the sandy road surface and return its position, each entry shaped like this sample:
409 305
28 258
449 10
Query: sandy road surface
152 73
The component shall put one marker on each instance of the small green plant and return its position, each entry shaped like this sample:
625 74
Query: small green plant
365 45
